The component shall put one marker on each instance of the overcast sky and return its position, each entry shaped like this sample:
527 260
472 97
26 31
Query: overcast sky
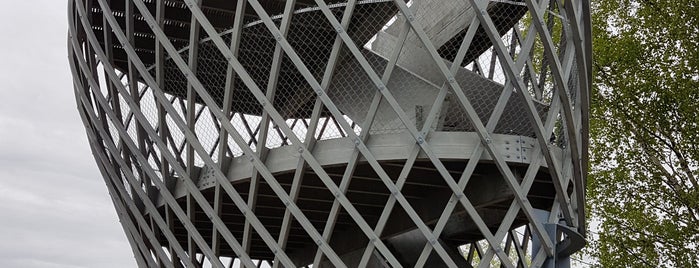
54 207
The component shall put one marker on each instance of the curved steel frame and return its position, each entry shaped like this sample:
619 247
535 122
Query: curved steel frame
210 161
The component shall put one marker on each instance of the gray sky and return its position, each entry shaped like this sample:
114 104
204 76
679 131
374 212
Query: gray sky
54 207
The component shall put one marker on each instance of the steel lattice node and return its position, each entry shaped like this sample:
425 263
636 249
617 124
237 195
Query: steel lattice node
337 133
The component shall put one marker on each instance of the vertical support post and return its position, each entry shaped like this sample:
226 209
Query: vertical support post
543 216
192 116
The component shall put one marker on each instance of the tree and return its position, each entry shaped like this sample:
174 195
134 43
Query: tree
643 189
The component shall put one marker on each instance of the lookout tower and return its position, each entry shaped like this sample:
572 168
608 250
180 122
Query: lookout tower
339 133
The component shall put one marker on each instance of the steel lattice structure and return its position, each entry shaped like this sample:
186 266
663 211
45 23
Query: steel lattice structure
344 133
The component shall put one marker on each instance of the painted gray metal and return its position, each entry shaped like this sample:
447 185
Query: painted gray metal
338 133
